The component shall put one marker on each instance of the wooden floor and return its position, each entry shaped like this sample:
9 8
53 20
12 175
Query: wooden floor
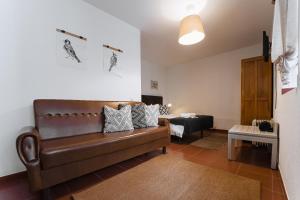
252 162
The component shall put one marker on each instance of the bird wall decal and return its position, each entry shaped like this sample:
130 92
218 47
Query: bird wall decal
113 61
70 51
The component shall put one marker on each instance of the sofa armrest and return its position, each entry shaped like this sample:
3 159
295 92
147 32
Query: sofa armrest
28 148
163 122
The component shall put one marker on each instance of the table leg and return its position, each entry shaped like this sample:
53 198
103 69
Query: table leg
274 154
230 148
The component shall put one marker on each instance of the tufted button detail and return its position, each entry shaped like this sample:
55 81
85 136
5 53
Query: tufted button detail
49 115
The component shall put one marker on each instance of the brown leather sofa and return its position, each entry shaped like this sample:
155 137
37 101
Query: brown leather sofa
67 141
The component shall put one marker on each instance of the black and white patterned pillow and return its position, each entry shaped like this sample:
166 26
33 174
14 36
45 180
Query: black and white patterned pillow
152 114
117 120
138 115
163 110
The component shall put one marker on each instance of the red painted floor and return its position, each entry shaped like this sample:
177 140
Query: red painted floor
251 162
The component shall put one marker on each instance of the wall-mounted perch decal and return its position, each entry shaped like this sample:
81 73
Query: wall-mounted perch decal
71 34
113 48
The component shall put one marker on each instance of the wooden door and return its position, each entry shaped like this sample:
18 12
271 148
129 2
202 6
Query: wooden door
256 90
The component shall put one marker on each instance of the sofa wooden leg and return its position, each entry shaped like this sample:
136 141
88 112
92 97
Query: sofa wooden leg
46 194
164 150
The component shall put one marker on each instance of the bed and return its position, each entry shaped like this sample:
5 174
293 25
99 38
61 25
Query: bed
182 126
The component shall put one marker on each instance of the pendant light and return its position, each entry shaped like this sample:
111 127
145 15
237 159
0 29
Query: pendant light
191 30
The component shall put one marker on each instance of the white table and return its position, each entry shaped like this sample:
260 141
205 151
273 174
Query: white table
252 133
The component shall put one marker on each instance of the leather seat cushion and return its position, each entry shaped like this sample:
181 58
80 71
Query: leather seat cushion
56 152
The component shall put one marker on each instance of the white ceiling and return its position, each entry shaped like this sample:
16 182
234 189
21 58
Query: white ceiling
229 25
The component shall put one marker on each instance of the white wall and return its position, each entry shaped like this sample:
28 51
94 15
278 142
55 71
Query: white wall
210 86
151 71
287 113
288 116
29 69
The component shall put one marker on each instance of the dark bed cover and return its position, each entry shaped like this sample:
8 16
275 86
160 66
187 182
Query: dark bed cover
199 123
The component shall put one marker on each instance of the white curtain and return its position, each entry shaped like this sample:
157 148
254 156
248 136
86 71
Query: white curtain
285 41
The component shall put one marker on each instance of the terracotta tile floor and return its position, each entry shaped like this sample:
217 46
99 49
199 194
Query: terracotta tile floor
251 162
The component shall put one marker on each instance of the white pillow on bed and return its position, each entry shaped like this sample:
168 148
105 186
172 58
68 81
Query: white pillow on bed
188 115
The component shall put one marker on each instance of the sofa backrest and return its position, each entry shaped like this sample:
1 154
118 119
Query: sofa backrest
64 118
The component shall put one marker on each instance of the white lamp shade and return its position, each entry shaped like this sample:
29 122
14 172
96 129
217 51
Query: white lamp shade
191 30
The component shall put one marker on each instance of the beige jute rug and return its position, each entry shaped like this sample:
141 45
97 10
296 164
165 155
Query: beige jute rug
169 178
211 141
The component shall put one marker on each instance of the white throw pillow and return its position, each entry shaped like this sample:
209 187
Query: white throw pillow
117 120
152 114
